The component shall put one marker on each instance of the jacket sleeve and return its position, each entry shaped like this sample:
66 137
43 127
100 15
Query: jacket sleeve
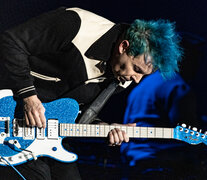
47 33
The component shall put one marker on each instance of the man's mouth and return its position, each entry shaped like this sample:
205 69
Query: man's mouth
121 79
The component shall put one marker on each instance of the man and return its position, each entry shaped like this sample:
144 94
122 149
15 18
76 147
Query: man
75 53
156 102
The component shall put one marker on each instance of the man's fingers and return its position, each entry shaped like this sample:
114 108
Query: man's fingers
42 117
120 136
117 136
30 119
111 138
35 119
34 112
126 137
131 124
26 119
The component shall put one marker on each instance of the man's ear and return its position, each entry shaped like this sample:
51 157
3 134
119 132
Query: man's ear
123 46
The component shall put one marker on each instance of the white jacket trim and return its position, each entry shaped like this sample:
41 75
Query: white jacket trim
92 28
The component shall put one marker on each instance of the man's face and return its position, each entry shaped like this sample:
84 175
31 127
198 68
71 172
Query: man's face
127 68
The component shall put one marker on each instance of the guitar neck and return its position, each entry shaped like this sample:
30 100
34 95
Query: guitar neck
90 130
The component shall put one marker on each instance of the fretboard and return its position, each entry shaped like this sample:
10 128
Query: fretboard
90 130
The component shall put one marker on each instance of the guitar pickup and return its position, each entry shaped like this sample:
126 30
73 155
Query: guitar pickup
29 133
18 127
40 132
52 132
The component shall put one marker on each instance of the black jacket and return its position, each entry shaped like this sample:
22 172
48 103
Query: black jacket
57 54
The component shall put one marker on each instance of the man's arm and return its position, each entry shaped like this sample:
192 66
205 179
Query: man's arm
44 34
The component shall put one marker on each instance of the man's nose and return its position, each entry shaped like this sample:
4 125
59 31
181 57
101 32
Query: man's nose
128 78
136 78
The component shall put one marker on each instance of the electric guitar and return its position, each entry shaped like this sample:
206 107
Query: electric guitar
20 143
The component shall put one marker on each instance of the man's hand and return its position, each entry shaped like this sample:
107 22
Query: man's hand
34 112
117 136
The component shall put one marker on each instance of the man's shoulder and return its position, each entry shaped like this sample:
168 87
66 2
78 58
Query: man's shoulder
86 15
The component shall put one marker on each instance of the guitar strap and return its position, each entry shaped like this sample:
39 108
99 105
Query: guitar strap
98 103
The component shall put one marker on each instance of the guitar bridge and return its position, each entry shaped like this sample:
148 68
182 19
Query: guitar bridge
4 128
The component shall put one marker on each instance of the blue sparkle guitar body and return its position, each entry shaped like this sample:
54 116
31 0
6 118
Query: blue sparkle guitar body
19 144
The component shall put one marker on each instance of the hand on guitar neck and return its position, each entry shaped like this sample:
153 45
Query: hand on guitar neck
34 112
116 136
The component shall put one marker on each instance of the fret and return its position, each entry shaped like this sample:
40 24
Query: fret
73 129
130 131
123 128
62 130
81 129
77 130
69 130
84 130
150 132
88 128
137 132
101 133
159 133
164 133
65 130
143 132
93 131
97 130
167 133
107 129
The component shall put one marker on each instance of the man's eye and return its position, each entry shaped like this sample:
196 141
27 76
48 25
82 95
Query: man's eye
137 69
122 66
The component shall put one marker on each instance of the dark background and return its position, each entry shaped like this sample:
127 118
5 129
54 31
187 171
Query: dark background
189 15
